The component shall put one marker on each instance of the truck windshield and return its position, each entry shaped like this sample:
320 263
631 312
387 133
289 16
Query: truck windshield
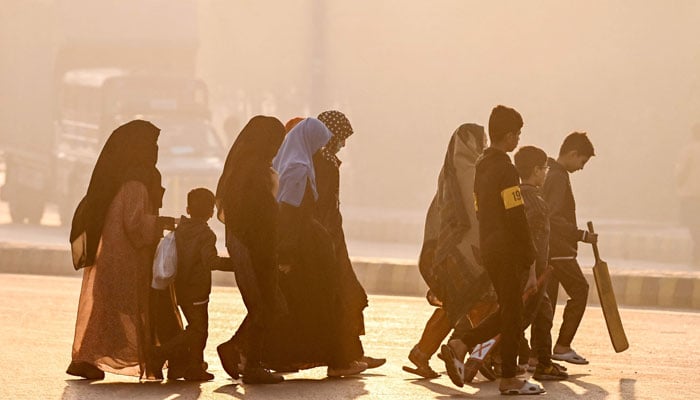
187 137
149 95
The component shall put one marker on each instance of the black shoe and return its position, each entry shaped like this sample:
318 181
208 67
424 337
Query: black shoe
354 368
229 359
176 371
196 373
85 370
259 375
373 362
154 365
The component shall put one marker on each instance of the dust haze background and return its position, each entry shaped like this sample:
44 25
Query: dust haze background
407 73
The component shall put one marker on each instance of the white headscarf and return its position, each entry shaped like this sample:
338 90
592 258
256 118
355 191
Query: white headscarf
294 160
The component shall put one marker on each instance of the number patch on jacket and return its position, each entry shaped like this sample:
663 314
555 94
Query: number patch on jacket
512 197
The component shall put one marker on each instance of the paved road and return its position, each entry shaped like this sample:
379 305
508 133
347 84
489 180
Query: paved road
38 315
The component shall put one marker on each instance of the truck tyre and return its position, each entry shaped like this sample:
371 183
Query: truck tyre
16 213
31 210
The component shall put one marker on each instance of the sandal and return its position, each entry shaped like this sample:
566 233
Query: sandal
454 367
421 360
552 372
423 372
570 356
560 366
527 389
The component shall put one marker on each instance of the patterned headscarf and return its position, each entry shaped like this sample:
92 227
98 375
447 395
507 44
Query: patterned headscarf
340 127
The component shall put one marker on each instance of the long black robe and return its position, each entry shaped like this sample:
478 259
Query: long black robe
352 294
249 209
309 334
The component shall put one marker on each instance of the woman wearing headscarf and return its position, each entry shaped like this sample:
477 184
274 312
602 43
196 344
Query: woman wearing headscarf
292 123
352 294
247 206
449 260
114 233
310 335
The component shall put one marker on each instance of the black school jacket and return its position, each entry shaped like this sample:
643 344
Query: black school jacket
196 258
503 228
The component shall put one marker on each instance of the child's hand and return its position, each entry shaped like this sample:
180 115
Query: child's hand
167 223
285 268
531 285
589 237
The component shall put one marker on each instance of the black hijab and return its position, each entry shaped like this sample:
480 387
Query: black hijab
250 157
130 154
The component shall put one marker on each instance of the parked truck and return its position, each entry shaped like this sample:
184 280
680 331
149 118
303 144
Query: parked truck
72 71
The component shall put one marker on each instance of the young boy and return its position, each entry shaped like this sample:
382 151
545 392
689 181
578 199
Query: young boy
507 252
574 153
196 258
531 163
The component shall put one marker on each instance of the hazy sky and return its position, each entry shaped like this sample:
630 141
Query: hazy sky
407 73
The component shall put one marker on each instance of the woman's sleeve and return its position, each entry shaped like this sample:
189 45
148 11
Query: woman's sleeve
140 225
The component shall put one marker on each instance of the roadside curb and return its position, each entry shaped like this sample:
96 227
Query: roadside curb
660 244
679 290
632 288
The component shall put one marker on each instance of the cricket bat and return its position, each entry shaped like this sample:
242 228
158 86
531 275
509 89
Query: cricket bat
475 362
607 300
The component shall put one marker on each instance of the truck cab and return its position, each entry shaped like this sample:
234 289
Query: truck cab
92 103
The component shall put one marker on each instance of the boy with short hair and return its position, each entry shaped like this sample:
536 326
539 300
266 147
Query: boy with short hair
196 258
531 163
575 151
507 252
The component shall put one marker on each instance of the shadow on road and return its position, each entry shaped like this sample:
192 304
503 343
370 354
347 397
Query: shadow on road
627 391
564 388
350 387
446 392
78 389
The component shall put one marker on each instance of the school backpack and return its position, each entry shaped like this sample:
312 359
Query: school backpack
165 263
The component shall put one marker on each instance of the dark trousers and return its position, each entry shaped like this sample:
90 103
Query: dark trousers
197 331
250 335
506 277
568 273
523 349
166 327
541 331
538 315
190 343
